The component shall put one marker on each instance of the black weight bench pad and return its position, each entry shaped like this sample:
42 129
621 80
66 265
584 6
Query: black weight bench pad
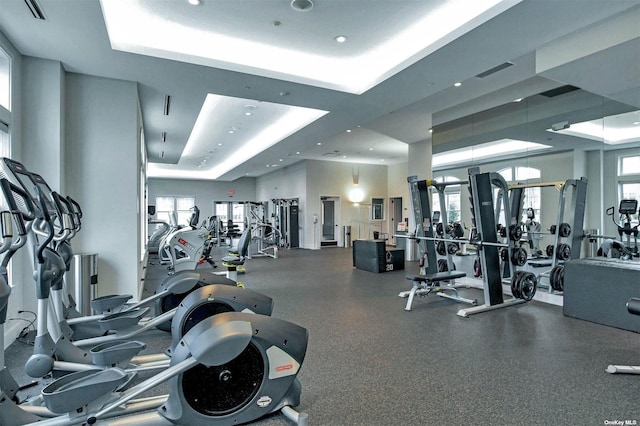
437 277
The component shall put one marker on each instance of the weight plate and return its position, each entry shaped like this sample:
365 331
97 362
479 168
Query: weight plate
549 250
439 229
440 248
519 256
458 230
561 279
452 248
552 229
515 284
564 230
504 254
477 268
527 286
442 265
515 232
563 252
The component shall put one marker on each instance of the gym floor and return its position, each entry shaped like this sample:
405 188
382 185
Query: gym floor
369 362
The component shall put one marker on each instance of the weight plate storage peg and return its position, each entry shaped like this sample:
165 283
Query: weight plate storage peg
519 256
564 230
563 252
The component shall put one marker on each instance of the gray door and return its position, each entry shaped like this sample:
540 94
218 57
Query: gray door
328 220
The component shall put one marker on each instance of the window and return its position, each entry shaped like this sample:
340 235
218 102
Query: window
532 196
5 80
629 165
451 197
629 181
377 208
181 205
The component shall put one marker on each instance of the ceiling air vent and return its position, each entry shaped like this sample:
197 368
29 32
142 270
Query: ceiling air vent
331 154
495 69
35 9
559 91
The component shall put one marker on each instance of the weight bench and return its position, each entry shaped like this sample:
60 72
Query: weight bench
425 284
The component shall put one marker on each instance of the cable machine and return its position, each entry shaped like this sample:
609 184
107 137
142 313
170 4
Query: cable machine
285 216
484 217
265 235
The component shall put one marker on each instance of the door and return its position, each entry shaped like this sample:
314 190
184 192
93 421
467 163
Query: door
330 221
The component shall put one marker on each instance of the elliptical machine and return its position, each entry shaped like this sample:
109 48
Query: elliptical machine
249 364
626 209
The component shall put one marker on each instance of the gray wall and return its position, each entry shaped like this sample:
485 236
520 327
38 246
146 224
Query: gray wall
102 174
205 192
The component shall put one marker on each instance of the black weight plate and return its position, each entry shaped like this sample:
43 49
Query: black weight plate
563 252
477 268
515 232
442 265
504 254
552 229
519 256
514 283
564 230
549 250
441 248
527 286
452 248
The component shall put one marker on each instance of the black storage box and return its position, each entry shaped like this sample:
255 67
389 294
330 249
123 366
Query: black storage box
375 256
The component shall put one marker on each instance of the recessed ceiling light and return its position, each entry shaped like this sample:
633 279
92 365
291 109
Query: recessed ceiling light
635 123
194 2
370 149
430 130
297 152
340 38
319 143
219 144
518 100
457 84
280 159
348 130
301 5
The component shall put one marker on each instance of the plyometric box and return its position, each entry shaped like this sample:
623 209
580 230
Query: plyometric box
598 289
375 256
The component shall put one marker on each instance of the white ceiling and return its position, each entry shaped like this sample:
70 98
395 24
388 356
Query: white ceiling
369 118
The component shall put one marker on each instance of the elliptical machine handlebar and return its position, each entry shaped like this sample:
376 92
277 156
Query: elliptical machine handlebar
19 216
45 217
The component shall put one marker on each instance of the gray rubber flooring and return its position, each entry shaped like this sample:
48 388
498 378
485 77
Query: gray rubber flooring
369 362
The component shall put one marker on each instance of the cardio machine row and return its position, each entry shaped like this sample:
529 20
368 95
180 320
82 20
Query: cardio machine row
224 343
